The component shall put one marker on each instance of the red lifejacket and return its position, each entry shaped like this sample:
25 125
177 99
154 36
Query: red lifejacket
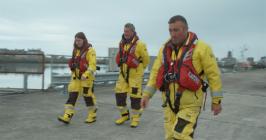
179 71
79 62
128 57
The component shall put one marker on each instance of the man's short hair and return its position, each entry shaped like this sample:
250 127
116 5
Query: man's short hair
130 26
177 18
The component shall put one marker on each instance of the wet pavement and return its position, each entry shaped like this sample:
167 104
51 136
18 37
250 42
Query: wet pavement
33 116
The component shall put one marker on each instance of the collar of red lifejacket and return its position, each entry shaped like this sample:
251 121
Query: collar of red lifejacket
131 40
191 37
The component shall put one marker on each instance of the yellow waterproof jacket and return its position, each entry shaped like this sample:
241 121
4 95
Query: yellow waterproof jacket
141 53
203 60
91 58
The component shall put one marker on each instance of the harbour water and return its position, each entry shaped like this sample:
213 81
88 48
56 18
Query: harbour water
11 80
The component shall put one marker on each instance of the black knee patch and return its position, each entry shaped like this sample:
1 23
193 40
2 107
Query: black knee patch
89 101
73 96
181 124
85 90
134 90
135 103
121 99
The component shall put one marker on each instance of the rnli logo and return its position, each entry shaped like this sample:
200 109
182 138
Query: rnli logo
193 77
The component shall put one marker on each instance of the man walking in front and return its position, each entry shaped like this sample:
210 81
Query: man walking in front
180 70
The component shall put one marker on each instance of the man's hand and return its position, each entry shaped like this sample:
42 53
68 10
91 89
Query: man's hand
144 101
216 109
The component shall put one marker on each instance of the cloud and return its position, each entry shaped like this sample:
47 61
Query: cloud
225 25
32 31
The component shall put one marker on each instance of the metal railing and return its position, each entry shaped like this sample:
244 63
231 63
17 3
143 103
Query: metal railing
100 79
23 63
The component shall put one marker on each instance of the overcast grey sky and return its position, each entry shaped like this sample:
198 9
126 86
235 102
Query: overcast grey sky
52 24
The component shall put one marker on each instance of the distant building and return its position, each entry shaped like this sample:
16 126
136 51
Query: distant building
152 59
262 62
112 64
251 60
21 51
228 62
35 51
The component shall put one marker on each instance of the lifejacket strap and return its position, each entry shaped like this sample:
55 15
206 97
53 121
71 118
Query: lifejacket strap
174 108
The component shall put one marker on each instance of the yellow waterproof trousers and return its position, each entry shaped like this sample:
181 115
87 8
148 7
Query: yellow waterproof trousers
77 87
180 126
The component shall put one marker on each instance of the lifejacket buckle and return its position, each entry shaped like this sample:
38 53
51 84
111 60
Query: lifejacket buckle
73 66
123 59
177 94
170 77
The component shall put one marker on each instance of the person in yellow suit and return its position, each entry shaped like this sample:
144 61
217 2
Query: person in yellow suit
83 66
132 59
180 71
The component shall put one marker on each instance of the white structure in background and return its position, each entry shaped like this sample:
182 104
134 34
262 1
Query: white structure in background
243 63
242 52
112 67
